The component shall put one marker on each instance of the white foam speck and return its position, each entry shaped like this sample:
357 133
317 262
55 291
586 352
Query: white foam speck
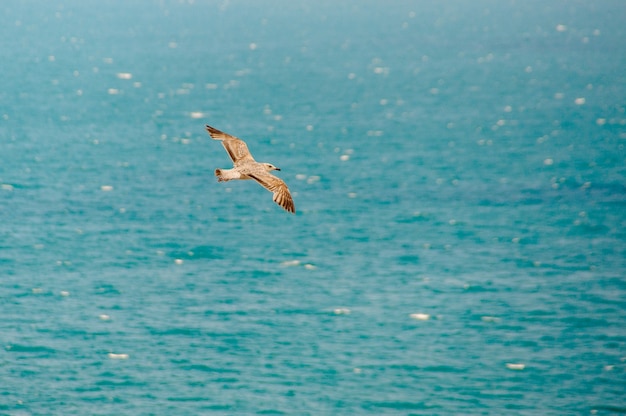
124 75
178 261
344 158
490 319
515 366
6 187
253 46
310 267
65 293
381 70
290 263
106 188
548 162
104 317
118 356
113 91
420 316
561 28
579 101
196 114
341 311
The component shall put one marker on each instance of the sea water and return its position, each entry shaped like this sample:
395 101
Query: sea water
459 175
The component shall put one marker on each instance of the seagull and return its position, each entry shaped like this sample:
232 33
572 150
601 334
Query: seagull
245 167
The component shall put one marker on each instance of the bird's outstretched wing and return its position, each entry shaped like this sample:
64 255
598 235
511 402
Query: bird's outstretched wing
278 187
235 147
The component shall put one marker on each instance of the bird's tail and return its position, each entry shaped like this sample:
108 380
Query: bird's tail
220 175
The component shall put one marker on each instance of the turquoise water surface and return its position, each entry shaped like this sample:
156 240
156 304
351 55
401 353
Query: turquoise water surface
459 175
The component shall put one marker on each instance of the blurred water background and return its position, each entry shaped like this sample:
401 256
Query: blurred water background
459 174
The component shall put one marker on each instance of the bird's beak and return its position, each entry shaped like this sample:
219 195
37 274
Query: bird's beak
277 168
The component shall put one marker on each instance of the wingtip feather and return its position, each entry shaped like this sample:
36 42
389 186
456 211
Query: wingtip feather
214 133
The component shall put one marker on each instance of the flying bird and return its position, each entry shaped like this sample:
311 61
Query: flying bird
245 167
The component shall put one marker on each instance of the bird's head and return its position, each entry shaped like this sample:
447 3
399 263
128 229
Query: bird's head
269 167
